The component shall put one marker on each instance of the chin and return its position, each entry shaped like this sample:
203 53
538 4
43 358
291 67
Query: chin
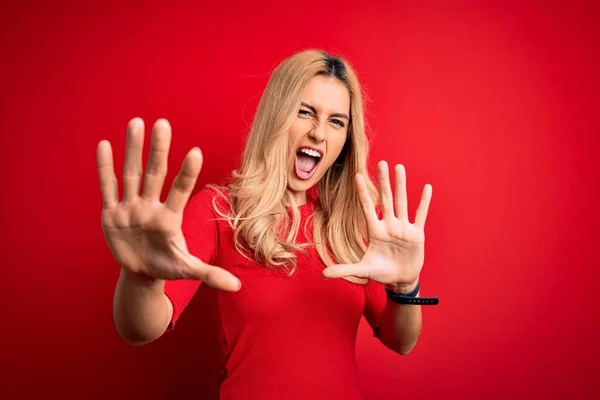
299 185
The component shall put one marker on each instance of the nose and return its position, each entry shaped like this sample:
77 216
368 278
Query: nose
318 132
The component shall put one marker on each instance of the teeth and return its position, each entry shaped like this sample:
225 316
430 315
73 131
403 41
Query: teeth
311 153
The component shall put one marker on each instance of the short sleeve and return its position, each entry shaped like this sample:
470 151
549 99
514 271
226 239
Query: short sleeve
375 300
200 229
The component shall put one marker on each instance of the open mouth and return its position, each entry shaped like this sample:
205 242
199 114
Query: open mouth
307 161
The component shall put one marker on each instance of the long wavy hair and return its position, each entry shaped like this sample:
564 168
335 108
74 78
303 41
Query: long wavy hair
257 194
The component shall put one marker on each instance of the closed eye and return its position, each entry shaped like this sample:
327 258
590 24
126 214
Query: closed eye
336 121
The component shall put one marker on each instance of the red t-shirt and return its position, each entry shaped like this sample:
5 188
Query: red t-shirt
281 337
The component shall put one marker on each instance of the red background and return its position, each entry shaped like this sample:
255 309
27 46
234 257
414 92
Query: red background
495 105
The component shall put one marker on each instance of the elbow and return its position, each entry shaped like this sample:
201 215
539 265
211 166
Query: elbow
403 345
401 348
133 340
134 337
405 350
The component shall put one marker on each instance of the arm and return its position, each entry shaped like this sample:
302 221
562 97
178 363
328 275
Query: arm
394 257
148 238
141 310
400 325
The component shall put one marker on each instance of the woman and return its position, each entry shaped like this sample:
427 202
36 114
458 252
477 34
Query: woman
299 212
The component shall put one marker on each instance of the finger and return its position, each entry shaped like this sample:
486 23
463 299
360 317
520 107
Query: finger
156 169
365 200
109 186
132 173
213 276
401 198
184 182
344 270
423 208
385 190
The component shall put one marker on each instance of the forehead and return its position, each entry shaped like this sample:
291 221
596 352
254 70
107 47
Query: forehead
327 94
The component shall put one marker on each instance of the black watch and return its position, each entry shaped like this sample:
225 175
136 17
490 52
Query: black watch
411 298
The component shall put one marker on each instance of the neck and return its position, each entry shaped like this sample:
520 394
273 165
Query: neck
298 196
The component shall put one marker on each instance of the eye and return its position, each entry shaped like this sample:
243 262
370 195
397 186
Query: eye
338 122
305 113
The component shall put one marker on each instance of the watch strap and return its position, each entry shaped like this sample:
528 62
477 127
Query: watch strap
417 301
411 298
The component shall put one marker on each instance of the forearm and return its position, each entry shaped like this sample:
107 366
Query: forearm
400 325
141 310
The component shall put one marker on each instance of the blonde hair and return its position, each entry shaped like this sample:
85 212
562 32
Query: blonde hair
257 193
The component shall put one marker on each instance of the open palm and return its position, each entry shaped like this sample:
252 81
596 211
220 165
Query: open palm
396 248
145 235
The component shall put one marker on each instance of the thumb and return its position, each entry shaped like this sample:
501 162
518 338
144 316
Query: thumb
344 270
213 276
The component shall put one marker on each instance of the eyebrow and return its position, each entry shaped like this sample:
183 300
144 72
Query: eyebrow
314 110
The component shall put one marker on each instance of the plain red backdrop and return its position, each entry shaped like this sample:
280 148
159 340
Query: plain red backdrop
495 105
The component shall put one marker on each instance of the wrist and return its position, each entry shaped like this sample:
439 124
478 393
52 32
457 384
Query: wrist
402 288
410 298
140 280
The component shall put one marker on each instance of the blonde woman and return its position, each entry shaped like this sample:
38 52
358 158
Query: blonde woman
299 213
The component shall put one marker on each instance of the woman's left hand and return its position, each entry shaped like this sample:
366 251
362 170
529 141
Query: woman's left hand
396 248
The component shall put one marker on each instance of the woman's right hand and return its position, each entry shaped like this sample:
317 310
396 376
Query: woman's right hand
143 234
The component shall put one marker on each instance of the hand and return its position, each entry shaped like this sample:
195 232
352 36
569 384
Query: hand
396 249
143 234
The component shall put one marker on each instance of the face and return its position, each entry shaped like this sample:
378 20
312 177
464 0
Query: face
318 134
